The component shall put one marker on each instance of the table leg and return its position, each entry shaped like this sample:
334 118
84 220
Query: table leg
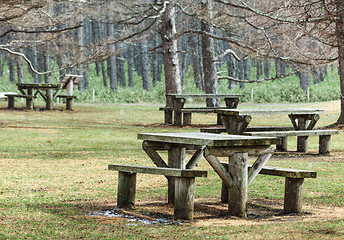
237 194
49 100
176 159
29 100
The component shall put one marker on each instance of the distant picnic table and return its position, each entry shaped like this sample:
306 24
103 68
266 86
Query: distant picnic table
303 121
48 91
180 115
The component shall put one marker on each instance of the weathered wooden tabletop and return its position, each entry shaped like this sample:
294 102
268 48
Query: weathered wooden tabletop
208 139
204 95
269 111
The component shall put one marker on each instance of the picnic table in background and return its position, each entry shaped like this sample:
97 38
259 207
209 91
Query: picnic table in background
237 120
176 113
303 121
48 91
236 147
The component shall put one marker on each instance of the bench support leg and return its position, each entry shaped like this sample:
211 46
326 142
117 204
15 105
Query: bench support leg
302 144
284 144
126 190
219 119
168 116
186 119
69 103
324 144
237 195
184 198
293 195
10 102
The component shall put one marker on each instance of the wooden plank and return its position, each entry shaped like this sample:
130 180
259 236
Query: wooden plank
257 166
293 133
220 169
270 111
249 129
254 151
283 172
173 172
203 95
208 139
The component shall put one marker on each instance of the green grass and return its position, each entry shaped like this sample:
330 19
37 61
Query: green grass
54 172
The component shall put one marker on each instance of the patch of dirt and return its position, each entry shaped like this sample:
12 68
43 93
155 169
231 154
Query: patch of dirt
211 212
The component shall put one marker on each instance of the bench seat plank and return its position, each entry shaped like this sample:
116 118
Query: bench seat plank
171 172
293 133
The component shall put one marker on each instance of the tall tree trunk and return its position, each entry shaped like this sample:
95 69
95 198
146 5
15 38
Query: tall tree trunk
340 42
46 66
171 64
267 69
20 69
231 69
304 80
112 60
11 70
145 65
83 67
130 65
120 70
209 68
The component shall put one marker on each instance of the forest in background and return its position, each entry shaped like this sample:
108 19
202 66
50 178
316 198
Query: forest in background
117 47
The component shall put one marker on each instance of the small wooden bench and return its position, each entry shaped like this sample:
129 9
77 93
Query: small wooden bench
69 101
184 190
302 143
293 194
29 100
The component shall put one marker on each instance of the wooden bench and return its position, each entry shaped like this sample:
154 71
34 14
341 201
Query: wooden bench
186 114
184 186
302 143
3 95
29 100
69 101
294 179
182 115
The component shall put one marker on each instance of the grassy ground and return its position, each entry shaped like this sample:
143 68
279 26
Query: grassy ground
54 175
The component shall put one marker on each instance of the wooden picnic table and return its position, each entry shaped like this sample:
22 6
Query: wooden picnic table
236 147
48 91
175 105
237 120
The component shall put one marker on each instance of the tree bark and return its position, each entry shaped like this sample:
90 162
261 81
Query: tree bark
112 60
171 64
130 65
145 66
209 68
340 41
